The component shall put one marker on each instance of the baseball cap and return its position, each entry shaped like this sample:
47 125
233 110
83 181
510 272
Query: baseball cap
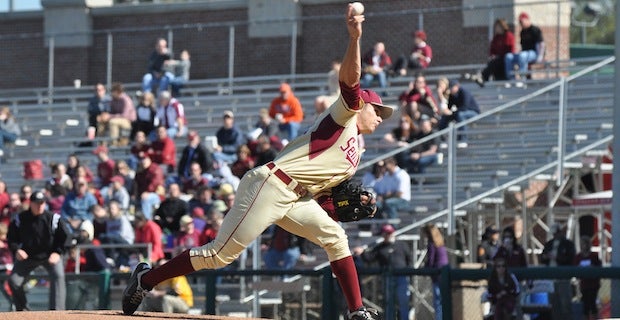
229 114
100 149
117 179
185 220
38 197
555 228
220 205
198 212
226 189
89 228
164 94
387 229
452 83
420 34
192 134
369 96
524 15
490 230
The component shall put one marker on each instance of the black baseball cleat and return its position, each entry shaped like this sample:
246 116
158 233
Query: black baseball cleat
134 293
363 313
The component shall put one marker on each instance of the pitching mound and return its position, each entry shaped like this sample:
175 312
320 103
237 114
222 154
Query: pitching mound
104 314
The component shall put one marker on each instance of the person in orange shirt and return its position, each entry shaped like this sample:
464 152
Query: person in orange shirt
287 111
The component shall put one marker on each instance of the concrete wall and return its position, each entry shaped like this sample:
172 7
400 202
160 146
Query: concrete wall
456 38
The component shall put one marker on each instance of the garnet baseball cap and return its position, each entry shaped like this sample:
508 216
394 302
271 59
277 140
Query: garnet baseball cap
118 179
369 96
387 229
524 15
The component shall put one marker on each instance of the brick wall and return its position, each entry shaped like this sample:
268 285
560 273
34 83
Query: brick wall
319 42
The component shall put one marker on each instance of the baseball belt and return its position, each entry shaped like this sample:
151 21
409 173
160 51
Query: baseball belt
290 183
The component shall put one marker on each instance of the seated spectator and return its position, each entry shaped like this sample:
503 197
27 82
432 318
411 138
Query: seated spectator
423 155
403 134
394 190
59 177
322 102
177 72
9 129
203 198
532 48
118 231
123 170
265 152
200 221
284 250
418 100
229 138
461 106
149 178
77 204
97 105
264 126
194 151
73 162
287 111
25 192
503 290
56 195
210 231
375 64
6 255
105 167
155 75
117 192
4 198
195 181
371 177
14 207
186 236
489 245
147 231
140 144
145 115
244 161
420 57
171 296
164 150
83 173
510 251
443 94
503 43
171 115
171 210
122 113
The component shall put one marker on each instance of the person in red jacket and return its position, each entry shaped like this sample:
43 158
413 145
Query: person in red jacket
420 57
287 111
105 167
147 231
164 150
149 178
503 42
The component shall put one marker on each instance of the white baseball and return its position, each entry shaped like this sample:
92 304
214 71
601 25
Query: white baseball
358 8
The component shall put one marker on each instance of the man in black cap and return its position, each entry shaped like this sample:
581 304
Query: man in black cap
38 237
461 106
488 246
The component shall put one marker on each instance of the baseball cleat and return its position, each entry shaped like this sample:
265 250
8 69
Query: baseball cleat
134 293
363 313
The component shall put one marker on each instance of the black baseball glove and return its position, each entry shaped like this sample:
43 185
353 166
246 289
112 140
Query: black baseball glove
348 202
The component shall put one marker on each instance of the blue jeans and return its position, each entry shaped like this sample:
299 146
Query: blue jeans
6 136
281 260
176 83
522 59
419 166
459 116
292 128
148 204
368 78
399 286
391 206
437 301
149 80
222 157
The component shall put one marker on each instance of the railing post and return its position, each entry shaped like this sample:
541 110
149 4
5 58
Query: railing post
104 289
420 20
108 69
561 131
170 35
50 71
293 48
445 286
210 291
389 294
452 141
231 57
327 310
